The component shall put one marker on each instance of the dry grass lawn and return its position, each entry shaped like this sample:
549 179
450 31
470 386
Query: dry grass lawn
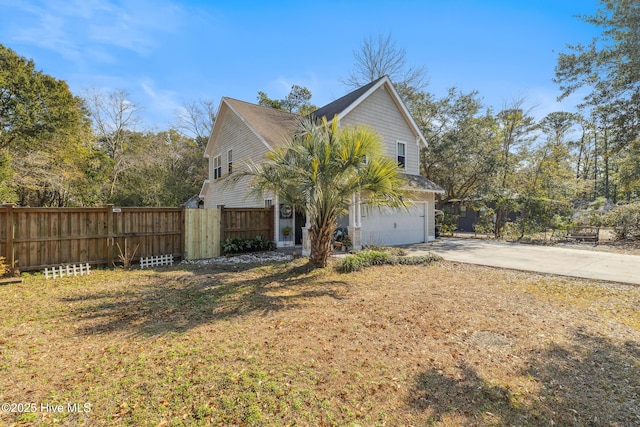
446 344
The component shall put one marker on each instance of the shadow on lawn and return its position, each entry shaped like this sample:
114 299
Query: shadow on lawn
590 382
176 303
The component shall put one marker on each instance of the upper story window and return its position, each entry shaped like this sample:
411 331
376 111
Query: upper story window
229 162
217 167
401 153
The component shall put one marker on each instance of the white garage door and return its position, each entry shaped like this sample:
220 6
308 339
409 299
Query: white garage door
387 226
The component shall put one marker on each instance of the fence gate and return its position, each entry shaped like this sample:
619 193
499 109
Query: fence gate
202 233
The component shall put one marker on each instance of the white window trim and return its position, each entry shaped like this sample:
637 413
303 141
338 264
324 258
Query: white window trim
230 161
398 153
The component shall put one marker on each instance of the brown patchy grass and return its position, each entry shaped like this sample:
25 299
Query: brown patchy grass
446 344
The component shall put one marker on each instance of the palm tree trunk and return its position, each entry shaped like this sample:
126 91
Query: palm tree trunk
320 246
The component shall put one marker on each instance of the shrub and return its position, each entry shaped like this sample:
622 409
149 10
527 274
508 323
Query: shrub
256 244
364 259
375 257
417 260
625 221
391 250
559 222
4 268
510 230
485 224
352 263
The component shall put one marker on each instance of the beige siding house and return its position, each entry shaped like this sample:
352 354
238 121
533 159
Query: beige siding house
244 132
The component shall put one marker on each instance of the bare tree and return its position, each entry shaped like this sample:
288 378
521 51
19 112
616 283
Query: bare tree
195 120
379 56
114 118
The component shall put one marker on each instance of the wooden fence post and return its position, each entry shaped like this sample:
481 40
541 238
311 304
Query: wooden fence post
10 227
183 230
110 234
271 224
223 230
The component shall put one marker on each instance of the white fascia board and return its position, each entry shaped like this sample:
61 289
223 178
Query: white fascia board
203 190
208 148
405 111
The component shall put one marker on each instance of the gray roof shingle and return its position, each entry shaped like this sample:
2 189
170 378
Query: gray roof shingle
419 182
275 126
340 104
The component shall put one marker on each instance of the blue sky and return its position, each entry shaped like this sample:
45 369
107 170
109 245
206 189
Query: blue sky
169 52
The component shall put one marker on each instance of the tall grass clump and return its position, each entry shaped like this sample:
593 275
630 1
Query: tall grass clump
363 259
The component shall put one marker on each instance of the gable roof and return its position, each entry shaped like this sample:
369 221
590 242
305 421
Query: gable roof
270 125
342 106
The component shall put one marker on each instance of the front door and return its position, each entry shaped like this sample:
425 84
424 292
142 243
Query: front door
300 222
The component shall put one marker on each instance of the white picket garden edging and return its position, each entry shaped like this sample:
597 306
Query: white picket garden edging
153 261
67 271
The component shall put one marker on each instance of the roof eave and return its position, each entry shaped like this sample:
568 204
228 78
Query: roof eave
422 190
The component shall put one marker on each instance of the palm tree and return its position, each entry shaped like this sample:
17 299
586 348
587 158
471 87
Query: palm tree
320 169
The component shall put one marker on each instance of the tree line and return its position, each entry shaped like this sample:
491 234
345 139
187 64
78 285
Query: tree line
507 161
58 149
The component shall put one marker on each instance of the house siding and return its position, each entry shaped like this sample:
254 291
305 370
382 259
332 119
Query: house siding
380 112
234 135
377 110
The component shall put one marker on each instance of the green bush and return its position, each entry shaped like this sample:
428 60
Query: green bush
376 257
391 250
352 263
417 259
510 230
485 223
625 221
560 222
257 244
364 259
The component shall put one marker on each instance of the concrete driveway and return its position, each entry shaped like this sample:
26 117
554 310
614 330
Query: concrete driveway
543 259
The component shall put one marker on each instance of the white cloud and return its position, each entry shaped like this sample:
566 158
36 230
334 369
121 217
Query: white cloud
545 101
78 28
281 86
161 104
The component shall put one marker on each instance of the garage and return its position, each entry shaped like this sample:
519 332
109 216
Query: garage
386 226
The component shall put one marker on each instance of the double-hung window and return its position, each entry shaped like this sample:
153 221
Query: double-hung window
401 152
229 161
217 167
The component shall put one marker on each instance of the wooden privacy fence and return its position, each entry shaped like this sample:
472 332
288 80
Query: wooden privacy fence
39 238
36 238
246 223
